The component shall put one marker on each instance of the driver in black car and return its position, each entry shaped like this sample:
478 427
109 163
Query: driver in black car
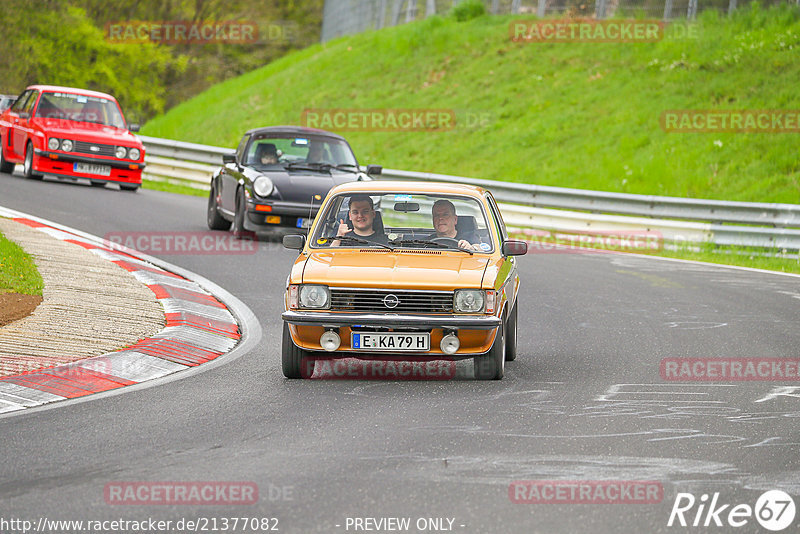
267 154
362 217
444 222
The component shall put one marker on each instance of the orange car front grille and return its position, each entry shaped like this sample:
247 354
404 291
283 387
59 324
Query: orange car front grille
396 301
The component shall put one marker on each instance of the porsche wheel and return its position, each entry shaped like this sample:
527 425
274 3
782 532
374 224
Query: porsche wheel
5 166
27 167
293 358
214 220
491 365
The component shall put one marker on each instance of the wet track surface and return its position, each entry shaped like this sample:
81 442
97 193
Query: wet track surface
583 400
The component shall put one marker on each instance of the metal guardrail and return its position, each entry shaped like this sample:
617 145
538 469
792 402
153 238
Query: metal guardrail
718 211
530 206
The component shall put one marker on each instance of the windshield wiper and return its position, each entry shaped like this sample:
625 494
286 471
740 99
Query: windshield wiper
303 166
344 167
359 240
430 243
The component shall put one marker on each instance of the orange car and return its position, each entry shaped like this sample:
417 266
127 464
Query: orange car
403 269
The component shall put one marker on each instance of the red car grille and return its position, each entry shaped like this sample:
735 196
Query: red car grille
94 148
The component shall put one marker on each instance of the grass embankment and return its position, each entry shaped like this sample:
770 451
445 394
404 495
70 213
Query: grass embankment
584 115
568 114
18 272
20 283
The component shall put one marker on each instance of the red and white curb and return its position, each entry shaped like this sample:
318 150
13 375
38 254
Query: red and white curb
199 328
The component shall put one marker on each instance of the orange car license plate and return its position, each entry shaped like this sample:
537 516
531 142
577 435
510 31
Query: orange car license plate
391 341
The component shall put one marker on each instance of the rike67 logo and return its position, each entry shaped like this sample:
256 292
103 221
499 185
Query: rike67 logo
774 510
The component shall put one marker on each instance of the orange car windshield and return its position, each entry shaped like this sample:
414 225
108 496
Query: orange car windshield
404 221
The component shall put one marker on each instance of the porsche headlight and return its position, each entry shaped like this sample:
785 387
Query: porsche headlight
468 300
263 186
134 154
66 145
121 152
314 296
53 143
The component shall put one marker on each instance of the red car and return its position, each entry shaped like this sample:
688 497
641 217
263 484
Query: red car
70 133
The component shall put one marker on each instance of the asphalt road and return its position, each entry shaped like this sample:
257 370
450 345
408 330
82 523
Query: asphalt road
584 400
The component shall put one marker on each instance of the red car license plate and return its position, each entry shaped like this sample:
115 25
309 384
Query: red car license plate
92 168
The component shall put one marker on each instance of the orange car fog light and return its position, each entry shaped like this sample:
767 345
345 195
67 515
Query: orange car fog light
260 207
330 341
450 344
273 219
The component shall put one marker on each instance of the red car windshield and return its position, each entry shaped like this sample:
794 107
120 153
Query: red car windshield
82 108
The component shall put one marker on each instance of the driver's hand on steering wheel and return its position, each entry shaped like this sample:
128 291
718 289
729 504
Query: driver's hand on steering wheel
466 244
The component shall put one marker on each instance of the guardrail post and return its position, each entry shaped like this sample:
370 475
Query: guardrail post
411 12
542 6
667 9
398 7
430 8
381 15
600 9
731 7
691 12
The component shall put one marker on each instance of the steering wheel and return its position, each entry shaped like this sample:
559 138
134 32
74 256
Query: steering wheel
448 241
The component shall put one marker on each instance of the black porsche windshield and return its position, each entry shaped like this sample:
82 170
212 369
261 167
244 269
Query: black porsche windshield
82 108
293 152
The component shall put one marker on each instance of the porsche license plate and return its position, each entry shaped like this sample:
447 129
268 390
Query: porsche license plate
391 341
92 168
304 223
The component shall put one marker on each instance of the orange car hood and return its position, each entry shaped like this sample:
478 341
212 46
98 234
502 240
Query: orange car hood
438 270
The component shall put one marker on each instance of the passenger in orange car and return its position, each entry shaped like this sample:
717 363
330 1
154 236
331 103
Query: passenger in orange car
444 222
362 217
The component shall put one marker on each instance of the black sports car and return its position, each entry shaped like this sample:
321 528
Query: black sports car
278 177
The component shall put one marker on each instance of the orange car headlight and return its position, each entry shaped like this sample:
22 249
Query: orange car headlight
468 300
474 301
314 296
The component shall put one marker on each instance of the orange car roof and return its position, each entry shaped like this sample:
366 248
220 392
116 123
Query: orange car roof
389 186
